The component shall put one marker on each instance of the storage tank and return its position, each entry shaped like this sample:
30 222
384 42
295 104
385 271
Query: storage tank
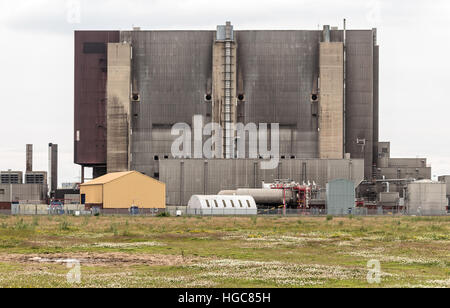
426 198
263 196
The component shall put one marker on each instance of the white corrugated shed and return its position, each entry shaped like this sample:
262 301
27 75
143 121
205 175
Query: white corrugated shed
222 205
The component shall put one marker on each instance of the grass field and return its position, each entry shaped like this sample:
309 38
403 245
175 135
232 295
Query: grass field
224 252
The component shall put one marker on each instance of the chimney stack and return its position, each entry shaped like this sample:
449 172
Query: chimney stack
29 166
53 168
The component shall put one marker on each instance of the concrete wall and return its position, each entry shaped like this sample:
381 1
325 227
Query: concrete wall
90 96
185 178
360 96
33 193
172 72
118 106
408 163
405 173
446 179
331 114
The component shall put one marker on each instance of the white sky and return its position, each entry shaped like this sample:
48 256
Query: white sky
36 63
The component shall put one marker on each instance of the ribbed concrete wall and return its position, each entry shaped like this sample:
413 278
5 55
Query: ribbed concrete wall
277 71
23 192
185 178
172 72
90 96
359 96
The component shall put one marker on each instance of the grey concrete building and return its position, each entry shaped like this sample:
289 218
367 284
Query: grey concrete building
36 177
23 193
271 77
11 177
319 86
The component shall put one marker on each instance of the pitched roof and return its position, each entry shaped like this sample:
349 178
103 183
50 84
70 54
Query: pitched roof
107 178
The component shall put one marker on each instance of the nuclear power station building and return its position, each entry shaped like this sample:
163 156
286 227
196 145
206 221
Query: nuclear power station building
320 86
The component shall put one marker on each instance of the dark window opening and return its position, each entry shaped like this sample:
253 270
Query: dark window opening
166 156
156 175
208 97
156 157
292 157
314 97
241 97
94 48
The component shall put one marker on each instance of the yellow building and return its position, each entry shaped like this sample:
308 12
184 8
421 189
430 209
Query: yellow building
123 190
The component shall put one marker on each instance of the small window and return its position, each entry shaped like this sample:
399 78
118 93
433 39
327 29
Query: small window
232 203
224 203
166 156
94 48
215 202
248 203
207 203
240 203
156 157
385 150
2 191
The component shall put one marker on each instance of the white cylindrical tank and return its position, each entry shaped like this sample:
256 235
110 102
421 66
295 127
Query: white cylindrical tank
263 196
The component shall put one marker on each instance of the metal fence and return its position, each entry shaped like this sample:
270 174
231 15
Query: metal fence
221 212
32 210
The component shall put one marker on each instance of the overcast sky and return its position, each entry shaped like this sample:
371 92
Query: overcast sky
36 63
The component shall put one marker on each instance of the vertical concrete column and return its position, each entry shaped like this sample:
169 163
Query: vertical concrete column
224 87
331 106
118 107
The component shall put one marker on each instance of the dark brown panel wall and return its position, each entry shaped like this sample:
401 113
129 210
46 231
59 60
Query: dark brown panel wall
90 95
